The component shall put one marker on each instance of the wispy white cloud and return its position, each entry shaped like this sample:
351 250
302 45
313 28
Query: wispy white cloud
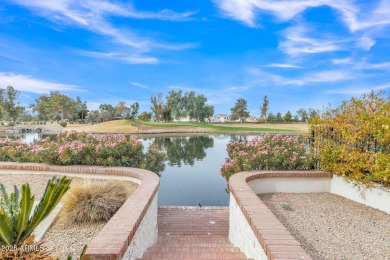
342 61
365 21
298 42
93 15
282 65
328 76
124 57
30 84
355 17
372 66
361 64
358 90
365 43
139 85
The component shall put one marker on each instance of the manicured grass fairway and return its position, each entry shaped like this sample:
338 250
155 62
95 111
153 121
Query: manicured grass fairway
230 128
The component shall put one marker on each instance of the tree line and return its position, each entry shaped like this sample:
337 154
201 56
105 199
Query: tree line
176 105
240 112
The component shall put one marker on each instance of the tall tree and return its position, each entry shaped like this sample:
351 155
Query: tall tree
134 110
122 110
279 117
145 116
287 117
55 106
81 108
157 107
313 113
9 102
302 115
93 116
108 110
200 110
177 103
271 117
264 108
240 109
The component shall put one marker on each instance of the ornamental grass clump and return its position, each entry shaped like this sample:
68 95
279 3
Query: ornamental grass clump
268 152
93 201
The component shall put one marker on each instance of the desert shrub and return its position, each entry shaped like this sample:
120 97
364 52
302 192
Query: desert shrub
353 140
91 201
62 123
17 218
11 123
269 152
72 148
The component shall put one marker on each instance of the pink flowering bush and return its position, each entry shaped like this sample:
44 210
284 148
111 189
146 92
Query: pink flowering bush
269 152
72 148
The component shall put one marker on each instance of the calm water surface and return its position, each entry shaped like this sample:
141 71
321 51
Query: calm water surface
191 174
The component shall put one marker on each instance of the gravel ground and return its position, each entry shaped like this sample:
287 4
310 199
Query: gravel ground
61 239
332 227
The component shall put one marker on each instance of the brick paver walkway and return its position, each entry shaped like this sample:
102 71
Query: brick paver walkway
193 233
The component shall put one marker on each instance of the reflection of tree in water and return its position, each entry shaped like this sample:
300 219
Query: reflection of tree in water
184 150
238 138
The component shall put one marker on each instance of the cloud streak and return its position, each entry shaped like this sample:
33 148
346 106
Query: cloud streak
358 91
30 84
282 65
124 57
92 15
327 76
139 85
354 17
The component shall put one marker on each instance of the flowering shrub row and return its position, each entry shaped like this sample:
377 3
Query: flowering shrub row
72 148
269 152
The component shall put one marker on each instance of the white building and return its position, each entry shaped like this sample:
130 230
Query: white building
252 119
220 118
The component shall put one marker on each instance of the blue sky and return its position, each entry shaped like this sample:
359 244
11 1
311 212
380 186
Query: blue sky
302 54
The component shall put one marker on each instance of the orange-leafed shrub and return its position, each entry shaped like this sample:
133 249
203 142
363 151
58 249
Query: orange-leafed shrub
353 140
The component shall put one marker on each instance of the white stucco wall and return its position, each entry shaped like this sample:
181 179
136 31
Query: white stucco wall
293 185
376 197
241 234
146 234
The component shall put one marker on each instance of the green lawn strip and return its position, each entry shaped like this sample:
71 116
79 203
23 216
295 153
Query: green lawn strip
218 128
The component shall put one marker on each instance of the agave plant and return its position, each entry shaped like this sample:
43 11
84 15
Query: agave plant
16 221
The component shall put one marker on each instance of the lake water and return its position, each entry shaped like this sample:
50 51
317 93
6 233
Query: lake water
191 174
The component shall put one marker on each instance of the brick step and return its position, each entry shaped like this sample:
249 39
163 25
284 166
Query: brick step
195 249
193 233
195 239
200 256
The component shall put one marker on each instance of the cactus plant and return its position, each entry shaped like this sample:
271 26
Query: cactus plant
16 221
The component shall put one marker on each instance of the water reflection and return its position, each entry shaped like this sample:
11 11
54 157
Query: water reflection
29 138
192 174
239 138
184 150
192 169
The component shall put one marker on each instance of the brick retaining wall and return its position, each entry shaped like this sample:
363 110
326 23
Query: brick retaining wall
112 241
274 238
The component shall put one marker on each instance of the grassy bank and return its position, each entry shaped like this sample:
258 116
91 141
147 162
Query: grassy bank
136 126
226 128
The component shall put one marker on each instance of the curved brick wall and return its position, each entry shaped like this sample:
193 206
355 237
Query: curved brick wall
269 234
115 237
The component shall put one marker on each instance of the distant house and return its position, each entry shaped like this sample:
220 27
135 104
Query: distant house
220 118
184 119
252 119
